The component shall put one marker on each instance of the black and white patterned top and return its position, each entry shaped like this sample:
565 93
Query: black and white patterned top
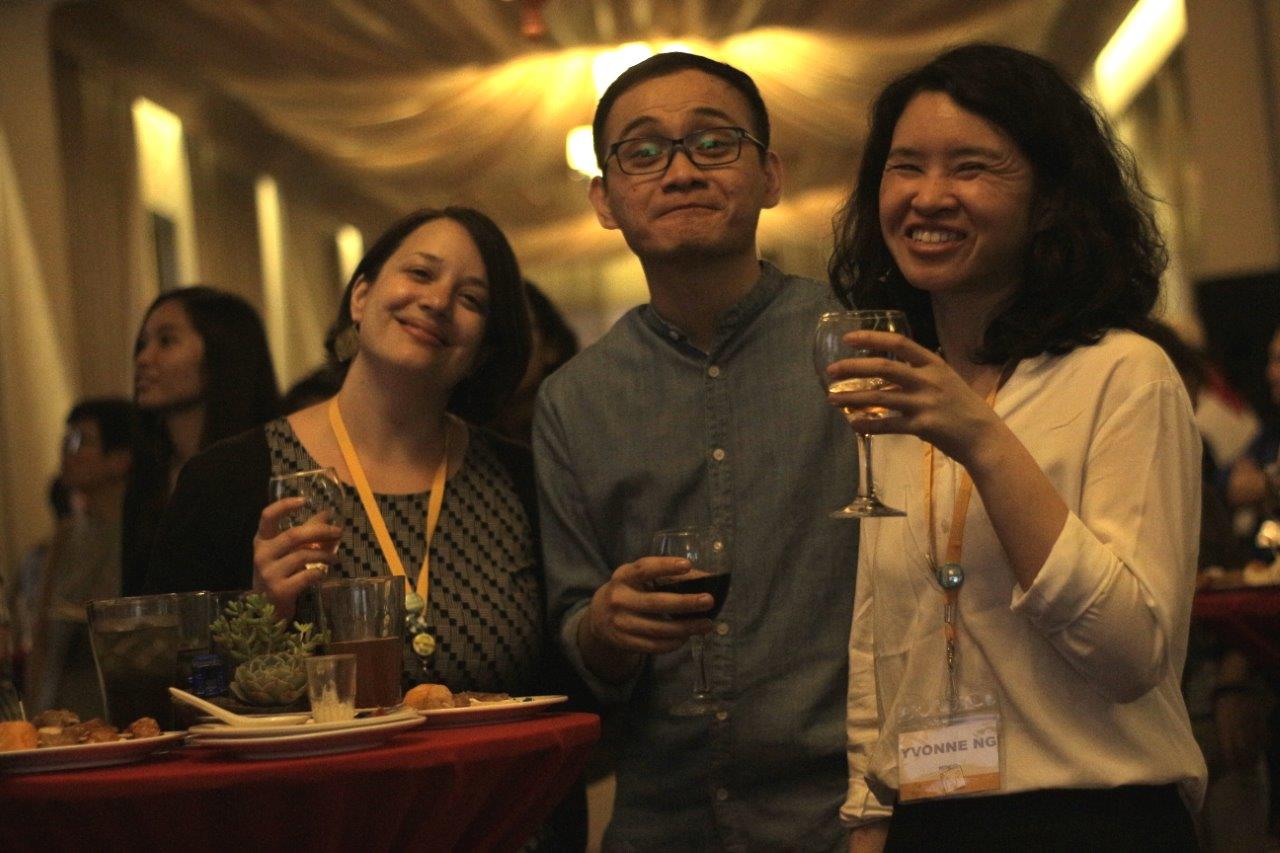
486 598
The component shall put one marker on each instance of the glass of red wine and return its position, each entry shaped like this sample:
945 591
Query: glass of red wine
706 548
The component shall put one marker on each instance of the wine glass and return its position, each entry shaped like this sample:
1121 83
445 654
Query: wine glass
322 493
706 549
828 347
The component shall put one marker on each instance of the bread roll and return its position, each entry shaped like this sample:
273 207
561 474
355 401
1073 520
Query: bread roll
17 734
429 697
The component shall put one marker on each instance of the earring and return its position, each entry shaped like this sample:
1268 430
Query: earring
347 344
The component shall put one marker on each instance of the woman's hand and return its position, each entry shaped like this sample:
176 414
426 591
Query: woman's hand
924 396
280 558
932 401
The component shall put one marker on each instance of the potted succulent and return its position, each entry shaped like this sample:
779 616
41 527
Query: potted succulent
265 652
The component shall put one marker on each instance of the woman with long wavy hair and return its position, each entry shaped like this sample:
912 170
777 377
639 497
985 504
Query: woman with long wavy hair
1018 639
202 372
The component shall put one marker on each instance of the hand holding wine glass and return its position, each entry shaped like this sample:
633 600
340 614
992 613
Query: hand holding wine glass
828 347
705 549
298 535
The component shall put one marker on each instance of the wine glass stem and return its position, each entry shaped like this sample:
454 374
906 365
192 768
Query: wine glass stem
866 482
700 688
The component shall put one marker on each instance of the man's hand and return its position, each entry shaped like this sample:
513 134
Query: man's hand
631 616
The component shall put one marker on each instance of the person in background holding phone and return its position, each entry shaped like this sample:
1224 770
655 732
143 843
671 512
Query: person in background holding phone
1018 640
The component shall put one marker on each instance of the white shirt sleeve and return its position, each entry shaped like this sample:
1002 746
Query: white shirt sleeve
1115 585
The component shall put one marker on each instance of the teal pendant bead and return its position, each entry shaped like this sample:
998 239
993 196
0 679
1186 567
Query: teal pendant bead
950 576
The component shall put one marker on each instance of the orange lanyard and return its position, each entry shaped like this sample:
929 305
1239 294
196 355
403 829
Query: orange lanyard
385 543
950 575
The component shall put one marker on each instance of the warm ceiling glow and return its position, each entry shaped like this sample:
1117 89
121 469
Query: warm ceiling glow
609 64
1150 32
580 152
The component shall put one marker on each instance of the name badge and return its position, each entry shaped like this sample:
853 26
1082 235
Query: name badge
960 755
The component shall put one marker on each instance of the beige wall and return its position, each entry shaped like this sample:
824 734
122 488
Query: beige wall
76 265
1232 98
38 340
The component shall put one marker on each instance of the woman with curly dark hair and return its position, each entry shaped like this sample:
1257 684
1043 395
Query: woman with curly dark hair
1018 639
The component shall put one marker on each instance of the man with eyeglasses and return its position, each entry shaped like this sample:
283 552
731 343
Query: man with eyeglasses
82 561
701 407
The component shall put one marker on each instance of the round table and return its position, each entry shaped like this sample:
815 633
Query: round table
474 788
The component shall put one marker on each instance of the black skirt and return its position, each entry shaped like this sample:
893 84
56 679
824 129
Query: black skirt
1134 817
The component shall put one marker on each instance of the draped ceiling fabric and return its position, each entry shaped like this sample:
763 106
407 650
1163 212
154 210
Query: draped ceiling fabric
434 101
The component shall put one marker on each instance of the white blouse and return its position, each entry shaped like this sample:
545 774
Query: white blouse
1086 664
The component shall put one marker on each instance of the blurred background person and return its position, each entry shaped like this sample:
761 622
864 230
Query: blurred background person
554 343
22 591
202 372
1227 697
83 557
317 386
1248 488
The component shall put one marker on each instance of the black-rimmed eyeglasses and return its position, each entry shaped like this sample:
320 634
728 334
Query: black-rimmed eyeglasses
706 148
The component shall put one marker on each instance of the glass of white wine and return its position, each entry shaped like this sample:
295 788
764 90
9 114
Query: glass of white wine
706 549
829 347
321 490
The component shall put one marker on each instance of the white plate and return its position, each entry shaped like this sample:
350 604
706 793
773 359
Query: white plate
310 743
223 731
81 755
515 708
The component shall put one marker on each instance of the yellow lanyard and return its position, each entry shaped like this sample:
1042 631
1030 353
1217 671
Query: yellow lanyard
950 575
375 515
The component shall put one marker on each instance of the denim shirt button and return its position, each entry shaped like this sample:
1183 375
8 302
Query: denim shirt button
713 371
722 628
718 454
722 794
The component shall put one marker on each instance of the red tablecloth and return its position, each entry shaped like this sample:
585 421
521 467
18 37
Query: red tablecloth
474 788
1248 617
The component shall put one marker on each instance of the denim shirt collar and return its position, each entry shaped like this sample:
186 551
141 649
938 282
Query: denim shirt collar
746 309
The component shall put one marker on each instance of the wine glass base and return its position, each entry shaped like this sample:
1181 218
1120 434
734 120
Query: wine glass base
696 706
867 508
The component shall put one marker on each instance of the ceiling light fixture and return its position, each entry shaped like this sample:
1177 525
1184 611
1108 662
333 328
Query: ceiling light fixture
1140 45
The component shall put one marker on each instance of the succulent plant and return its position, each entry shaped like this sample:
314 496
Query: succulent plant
271 679
250 628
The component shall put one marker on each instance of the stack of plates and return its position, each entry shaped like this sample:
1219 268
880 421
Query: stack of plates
309 738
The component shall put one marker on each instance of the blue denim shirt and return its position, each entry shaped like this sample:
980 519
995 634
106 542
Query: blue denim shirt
643 431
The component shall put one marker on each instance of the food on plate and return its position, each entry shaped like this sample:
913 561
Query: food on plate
429 697
17 734
60 727
55 718
144 727
58 735
468 698
434 697
96 731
